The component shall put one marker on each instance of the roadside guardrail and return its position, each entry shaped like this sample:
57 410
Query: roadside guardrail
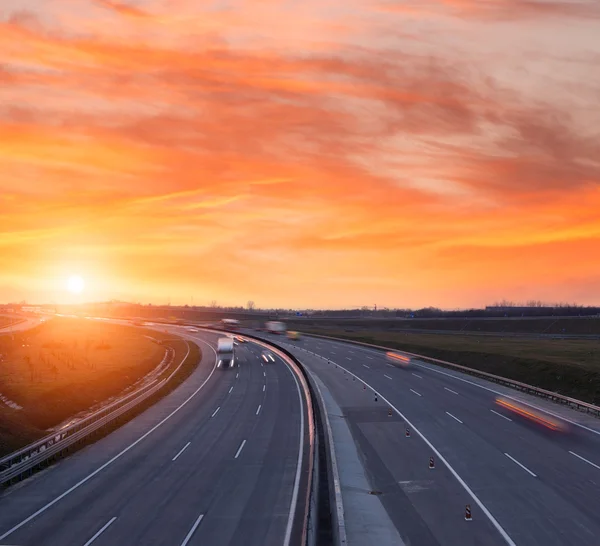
524 387
26 460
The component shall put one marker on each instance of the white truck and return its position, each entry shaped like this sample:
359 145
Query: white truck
275 327
225 352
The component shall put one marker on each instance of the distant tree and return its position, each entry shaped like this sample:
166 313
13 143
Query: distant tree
213 304
250 305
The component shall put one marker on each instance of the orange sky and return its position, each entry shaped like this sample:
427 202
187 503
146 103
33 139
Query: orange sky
324 153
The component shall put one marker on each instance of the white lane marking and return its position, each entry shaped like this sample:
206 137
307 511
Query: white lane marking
366 366
192 530
104 528
118 455
265 374
387 376
509 397
584 459
258 410
417 375
219 364
500 415
370 357
521 465
450 390
348 358
216 411
230 390
264 387
237 375
294 501
475 498
411 390
182 450
456 418
240 449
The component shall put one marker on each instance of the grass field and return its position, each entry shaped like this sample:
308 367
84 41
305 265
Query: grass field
65 366
569 367
523 326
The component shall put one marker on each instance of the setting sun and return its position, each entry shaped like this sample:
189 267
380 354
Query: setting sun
75 284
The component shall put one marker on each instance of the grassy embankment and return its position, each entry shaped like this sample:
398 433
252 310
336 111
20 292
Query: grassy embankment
570 367
66 366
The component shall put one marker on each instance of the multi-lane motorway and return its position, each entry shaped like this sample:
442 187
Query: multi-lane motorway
221 460
526 485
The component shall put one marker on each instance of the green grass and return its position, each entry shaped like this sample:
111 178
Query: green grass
569 367
95 361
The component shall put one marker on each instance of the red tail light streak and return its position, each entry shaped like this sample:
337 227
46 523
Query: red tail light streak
533 415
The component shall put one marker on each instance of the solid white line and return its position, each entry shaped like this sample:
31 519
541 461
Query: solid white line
106 525
416 392
510 397
240 449
584 459
456 418
117 456
216 411
258 410
500 415
366 366
475 498
230 390
264 387
417 375
182 450
450 390
522 466
192 530
387 376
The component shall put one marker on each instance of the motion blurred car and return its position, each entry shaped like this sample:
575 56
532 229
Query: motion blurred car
240 339
267 357
294 336
397 359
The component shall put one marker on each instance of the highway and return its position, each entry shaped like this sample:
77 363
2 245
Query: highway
525 485
220 460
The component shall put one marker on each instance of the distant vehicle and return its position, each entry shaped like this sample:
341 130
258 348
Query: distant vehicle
225 352
230 324
267 357
275 327
240 339
294 336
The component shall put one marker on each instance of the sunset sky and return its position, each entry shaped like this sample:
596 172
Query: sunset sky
314 153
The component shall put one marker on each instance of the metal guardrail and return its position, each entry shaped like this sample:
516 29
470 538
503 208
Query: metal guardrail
524 387
24 461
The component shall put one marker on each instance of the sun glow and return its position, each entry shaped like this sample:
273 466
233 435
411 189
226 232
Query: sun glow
75 284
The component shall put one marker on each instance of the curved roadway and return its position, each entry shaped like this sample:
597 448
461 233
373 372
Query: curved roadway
217 461
526 485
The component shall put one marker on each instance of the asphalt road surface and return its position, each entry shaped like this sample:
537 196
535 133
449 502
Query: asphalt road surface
215 462
526 485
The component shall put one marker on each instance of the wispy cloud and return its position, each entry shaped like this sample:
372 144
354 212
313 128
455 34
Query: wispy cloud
137 151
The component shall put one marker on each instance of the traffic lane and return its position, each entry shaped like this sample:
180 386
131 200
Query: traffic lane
561 492
427 506
582 432
142 463
192 484
255 501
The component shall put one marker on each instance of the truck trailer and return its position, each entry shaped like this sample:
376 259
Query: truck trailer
275 327
225 352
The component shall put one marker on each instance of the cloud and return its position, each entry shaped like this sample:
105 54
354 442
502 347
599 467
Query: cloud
153 161
496 10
